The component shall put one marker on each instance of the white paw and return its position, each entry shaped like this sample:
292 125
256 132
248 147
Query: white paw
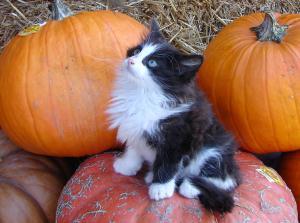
149 177
188 190
159 191
124 167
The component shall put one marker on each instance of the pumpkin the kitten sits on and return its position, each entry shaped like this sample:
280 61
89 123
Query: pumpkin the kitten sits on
165 120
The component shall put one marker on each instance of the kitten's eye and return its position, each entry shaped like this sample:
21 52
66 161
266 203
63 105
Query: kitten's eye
136 51
152 63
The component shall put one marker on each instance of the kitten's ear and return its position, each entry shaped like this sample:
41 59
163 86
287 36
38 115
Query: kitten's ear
154 26
190 63
154 34
188 66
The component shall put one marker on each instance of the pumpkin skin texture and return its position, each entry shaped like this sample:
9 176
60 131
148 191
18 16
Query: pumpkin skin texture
95 193
289 171
254 85
29 184
56 83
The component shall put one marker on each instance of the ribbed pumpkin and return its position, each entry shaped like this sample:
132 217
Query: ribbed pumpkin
252 77
29 184
56 83
95 193
290 172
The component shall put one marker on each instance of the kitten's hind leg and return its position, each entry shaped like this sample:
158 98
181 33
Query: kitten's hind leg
188 190
215 175
129 163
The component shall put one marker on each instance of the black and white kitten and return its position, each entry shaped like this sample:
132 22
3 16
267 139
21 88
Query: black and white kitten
165 120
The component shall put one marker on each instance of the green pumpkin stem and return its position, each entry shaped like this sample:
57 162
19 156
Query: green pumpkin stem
60 10
270 30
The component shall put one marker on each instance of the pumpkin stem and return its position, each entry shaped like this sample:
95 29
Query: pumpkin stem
60 10
270 30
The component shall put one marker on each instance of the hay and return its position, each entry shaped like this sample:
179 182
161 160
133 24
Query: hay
189 24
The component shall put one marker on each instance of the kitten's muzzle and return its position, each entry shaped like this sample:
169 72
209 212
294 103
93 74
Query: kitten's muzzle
131 61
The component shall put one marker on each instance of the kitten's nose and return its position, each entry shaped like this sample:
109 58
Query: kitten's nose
130 61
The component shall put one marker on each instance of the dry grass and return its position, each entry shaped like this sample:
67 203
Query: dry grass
189 24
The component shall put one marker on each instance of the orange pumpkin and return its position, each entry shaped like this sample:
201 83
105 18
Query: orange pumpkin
29 184
95 193
56 82
252 78
289 170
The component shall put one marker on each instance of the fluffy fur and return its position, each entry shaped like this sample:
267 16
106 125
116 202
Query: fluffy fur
165 120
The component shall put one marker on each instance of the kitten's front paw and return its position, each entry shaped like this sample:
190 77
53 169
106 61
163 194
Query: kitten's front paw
159 191
125 168
149 177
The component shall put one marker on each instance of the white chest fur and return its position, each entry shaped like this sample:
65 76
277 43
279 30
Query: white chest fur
135 110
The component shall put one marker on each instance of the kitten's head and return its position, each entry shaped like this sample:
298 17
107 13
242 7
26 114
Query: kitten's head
155 61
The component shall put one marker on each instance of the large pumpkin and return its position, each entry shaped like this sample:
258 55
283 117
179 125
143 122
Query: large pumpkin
29 184
252 77
96 194
290 172
56 82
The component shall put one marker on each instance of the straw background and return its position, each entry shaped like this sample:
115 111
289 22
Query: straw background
189 24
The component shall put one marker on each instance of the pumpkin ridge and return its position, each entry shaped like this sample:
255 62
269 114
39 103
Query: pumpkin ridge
53 111
54 118
254 136
292 52
95 118
289 19
284 110
86 83
242 53
234 124
213 94
113 34
34 160
3 115
18 185
46 167
81 53
94 19
95 22
100 37
68 86
75 124
245 104
13 130
290 49
26 89
38 207
12 182
266 89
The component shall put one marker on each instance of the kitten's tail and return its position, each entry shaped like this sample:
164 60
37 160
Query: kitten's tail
213 197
